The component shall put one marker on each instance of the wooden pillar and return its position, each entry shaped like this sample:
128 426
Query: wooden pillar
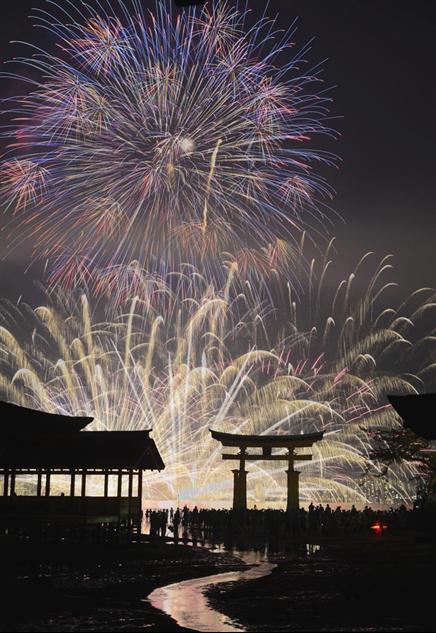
130 489
106 484
12 483
242 488
47 483
120 484
293 502
130 492
73 483
119 492
140 486
242 482
39 483
6 483
83 483
139 497
236 494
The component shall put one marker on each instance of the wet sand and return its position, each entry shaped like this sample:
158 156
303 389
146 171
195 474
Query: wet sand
357 584
361 584
88 589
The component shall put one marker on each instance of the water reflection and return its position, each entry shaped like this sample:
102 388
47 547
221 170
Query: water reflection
186 603
312 549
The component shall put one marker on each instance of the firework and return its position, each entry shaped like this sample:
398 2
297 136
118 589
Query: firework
163 139
217 359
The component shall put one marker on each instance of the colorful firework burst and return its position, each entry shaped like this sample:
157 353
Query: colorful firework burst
164 138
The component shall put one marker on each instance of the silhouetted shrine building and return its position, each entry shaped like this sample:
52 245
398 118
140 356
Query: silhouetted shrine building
267 443
417 412
102 471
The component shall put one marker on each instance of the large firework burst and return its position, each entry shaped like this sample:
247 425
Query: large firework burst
183 361
162 138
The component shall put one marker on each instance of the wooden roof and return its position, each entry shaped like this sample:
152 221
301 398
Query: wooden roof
274 441
418 412
14 418
87 449
34 439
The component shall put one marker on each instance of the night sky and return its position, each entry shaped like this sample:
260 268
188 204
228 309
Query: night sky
381 58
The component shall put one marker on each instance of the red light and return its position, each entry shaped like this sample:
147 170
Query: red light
378 528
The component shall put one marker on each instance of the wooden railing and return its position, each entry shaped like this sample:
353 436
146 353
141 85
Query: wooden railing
69 510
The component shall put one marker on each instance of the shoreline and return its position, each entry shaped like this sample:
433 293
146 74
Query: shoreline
355 584
83 589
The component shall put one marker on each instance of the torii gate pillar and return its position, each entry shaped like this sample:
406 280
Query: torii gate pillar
235 472
240 487
293 500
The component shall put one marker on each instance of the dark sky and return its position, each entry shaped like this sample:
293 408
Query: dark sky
381 57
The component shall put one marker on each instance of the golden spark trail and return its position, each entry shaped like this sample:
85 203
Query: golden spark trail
212 359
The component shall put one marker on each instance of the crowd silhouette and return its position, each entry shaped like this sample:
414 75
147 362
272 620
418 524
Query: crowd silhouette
323 520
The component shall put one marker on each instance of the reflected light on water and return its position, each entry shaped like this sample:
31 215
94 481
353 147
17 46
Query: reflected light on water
186 603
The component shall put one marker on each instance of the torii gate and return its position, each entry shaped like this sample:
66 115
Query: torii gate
267 443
